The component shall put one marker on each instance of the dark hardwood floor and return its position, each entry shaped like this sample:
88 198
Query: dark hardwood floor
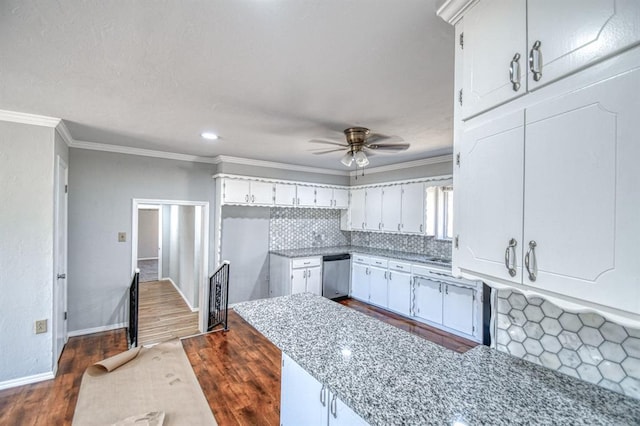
239 371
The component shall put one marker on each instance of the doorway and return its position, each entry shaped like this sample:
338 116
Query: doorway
59 323
174 281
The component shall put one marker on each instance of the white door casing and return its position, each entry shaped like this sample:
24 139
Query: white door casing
59 325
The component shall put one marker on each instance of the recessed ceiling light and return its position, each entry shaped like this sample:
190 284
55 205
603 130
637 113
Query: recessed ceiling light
210 136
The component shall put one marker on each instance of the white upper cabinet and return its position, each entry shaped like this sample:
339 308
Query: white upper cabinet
285 194
567 35
581 193
412 208
514 46
358 218
373 206
324 197
494 42
489 187
242 191
340 198
391 208
306 196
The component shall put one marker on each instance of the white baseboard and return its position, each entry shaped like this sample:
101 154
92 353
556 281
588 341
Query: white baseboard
75 333
181 294
21 381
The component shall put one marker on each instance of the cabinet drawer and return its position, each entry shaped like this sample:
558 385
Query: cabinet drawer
360 258
399 266
376 261
430 270
305 262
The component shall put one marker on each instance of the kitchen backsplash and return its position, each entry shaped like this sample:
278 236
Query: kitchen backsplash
292 228
583 345
407 243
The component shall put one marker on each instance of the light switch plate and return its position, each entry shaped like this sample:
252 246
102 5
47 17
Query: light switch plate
41 326
122 237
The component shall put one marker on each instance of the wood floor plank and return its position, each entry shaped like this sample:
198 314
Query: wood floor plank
238 370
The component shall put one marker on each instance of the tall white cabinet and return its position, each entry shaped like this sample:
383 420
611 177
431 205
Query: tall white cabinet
545 174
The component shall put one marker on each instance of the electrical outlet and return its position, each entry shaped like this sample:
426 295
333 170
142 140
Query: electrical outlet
41 326
122 237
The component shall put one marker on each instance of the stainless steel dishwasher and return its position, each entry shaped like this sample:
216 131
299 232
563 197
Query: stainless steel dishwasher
336 272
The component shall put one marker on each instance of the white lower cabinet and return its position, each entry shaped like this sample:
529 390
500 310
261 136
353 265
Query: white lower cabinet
457 308
360 282
378 286
427 300
399 295
306 401
289 276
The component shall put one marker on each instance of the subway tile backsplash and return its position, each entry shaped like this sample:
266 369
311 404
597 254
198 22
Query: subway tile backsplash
295 228
582 345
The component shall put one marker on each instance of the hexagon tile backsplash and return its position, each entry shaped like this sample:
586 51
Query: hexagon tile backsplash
583 345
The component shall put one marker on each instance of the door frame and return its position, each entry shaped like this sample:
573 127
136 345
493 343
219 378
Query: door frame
57 305
204 271
160 248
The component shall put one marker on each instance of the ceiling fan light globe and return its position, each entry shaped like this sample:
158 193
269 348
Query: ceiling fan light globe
347 159
361 159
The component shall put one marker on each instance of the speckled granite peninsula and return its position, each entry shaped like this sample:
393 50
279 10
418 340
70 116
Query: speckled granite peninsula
394 377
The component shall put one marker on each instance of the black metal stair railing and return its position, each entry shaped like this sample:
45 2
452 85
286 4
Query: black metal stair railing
132 331
219 297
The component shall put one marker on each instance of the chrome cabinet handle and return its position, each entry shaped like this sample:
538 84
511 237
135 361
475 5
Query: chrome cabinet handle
398 227
385 275
61 276
246 198
333 407
253 198
362 225
530 261
535 60
507 256
446 289
379 225
322 398
420 228
389 274
440 288
514 72
293 201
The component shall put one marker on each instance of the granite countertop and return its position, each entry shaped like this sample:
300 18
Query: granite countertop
389 376
393 254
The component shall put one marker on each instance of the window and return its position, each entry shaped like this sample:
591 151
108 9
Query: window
443 219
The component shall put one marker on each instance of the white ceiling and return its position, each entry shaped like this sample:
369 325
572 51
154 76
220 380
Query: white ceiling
267 75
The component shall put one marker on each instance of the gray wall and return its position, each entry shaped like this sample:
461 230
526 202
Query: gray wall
182 253
401 174
166 235
102 186
245 243
26 247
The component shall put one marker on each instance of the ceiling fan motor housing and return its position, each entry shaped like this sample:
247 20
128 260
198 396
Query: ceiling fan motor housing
356 136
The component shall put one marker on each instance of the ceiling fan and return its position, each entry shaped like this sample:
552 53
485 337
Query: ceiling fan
360 144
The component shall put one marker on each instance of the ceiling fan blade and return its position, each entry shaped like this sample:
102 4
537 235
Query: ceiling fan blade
328 142
328 151
389 147
376 138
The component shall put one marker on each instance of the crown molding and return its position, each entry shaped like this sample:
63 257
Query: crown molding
398 166
274 165
64 133
119 149
24 118
452 10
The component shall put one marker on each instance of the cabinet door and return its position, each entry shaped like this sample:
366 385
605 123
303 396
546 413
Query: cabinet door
494 33
300 398
378 286
340 198
400 292
358 218
324 197
489 187
314 280
236 191
306 196
343 415
298 280
285 194
360 282
575 33
413 210
374 209
391 208
262 193
457 308
582 193
427 300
